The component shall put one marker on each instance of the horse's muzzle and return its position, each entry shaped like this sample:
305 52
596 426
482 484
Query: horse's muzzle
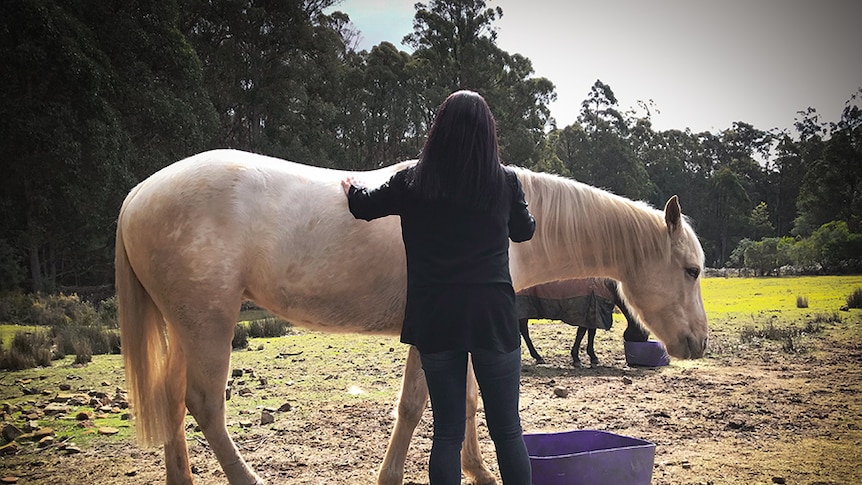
690 347
697 346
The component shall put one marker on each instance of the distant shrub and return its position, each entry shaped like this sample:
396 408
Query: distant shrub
815 324
61 310
768 332
100 339
72 327
786 335
267 327
249 305
854 300
240 337
83 351
801 302
108 312
28 349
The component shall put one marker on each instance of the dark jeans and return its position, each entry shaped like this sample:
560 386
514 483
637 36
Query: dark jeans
499 377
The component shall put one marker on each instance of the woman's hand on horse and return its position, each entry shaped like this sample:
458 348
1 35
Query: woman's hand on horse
347 182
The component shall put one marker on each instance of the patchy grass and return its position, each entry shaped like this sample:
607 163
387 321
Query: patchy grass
7 333
773 332
315 366
736 304
308 367
789 336
31 389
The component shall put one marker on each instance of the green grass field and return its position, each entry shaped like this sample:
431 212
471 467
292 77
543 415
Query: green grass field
742 297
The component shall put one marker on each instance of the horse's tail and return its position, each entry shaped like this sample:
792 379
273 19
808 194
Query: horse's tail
145 350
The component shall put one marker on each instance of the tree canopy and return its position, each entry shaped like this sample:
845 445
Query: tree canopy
98 95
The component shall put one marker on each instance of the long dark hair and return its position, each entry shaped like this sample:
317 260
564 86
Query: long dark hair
460 161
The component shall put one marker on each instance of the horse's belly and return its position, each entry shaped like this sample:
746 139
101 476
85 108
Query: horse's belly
358 311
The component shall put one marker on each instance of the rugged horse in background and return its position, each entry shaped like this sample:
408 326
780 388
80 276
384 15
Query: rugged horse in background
586 303
200 236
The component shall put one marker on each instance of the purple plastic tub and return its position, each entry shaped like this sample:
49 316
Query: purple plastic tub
646 354
586 457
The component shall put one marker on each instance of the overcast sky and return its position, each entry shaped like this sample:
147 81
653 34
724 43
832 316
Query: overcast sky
704 64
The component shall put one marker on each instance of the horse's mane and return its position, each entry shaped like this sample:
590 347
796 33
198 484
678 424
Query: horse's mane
629 231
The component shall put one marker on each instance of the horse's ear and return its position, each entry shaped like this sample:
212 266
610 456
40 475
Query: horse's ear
672 214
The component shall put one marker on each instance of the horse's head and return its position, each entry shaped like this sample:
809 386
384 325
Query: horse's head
667 295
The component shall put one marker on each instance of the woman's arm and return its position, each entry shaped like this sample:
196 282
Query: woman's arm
385 200
521 222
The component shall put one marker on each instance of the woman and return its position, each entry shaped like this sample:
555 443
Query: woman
459 207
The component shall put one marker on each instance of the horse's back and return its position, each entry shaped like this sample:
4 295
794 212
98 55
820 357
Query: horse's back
244 226
204 207
225 173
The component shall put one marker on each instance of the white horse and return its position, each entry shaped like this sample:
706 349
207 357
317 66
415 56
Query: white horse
200 236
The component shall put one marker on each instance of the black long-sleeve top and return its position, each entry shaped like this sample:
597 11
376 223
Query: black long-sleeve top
459 289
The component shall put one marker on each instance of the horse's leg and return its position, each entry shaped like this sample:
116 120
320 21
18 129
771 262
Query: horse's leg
208 357
576 347
635 332
525 332
471 455
411 404
591 351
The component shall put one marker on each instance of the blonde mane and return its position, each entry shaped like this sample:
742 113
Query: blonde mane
570 214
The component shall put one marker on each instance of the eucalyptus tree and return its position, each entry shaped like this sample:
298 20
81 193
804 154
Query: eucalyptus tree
159 84
599 149
273 71
99 93
455 47
786 179
832 187
52 112
747 152
456 37
600 110
392 119
548 160
671 160
726 216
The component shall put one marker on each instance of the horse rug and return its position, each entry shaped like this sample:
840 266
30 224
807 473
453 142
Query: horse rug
585 303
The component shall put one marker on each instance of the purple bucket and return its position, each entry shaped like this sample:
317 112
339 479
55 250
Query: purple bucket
646 354
586 457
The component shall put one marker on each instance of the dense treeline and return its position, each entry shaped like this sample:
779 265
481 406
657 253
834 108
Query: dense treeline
99 94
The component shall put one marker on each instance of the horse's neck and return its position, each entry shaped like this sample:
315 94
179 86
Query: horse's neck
533 264
598 235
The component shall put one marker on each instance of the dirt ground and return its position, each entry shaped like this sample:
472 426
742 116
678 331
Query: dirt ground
745 414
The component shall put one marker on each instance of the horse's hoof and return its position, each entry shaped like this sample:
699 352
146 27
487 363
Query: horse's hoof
489 482
486 480
540 361
594 364
577 364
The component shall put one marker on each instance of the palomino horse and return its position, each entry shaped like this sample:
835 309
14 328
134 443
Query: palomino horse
586 303
200 236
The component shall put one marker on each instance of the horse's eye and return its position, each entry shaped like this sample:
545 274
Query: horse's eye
693 272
